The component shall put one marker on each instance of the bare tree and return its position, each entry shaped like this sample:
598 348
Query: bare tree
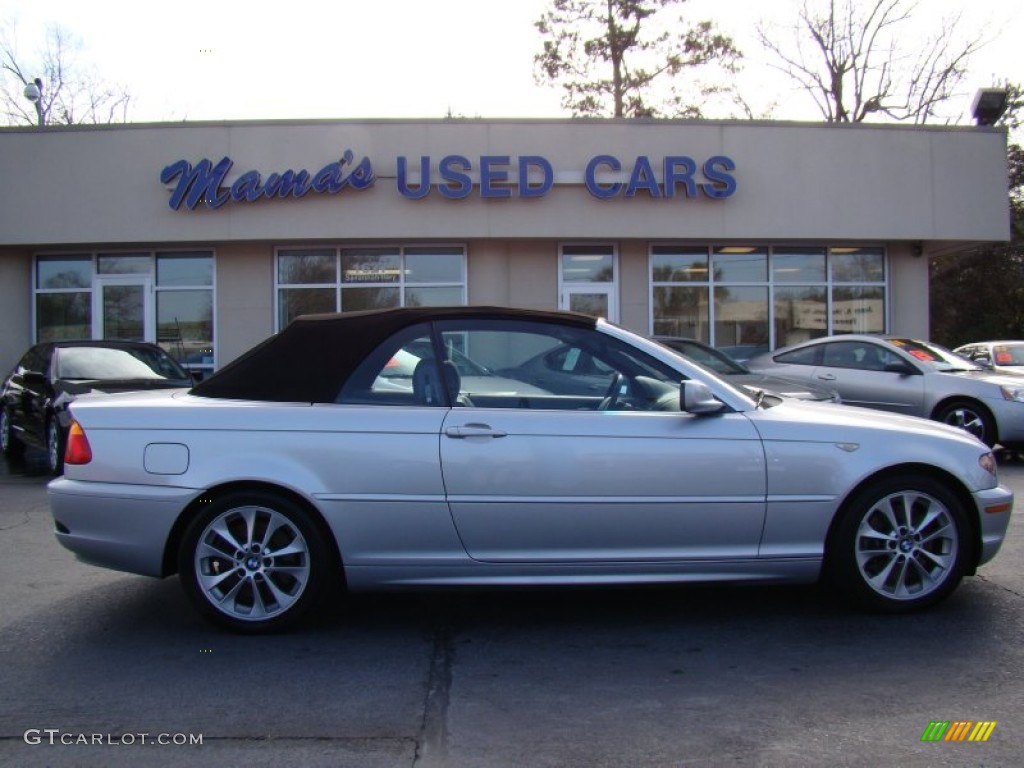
70 92
621 58
869 59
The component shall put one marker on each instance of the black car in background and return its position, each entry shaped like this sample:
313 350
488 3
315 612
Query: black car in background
50 376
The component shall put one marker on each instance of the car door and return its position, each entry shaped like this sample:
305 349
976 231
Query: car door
864 373
564 479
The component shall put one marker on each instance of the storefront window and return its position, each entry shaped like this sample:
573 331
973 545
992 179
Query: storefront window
63 316
858 309
374 265
56 272
378 277
184 269
304 267
293 302
801 313
741 316
740 264
858 265
113 295
679 265
766 297
798 265
124 264
681 312
588 264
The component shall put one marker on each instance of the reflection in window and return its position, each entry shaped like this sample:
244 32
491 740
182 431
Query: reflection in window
681 312
801 313
57 272
679 265
63 316
304 301
124 264
798 265
858 265
741 316
186 268
858 309
588 264
740 264
305 267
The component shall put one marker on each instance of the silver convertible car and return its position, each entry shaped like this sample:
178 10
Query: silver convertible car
298 469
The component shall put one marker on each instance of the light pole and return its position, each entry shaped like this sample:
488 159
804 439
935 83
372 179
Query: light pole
34 93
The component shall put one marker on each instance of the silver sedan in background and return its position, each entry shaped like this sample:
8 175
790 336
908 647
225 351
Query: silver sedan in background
907 376
299 468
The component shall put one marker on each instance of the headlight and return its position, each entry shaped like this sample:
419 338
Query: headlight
1013 393
988 463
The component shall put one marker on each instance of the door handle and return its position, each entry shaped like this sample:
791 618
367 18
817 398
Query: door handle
827 377
473 430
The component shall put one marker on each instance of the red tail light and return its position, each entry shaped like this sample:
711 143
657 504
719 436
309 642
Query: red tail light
78 450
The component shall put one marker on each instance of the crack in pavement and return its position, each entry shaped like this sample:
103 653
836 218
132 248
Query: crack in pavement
432 743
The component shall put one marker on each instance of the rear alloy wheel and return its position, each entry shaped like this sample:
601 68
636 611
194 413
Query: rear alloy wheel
969 417
902 544
253 562
55 441
10 446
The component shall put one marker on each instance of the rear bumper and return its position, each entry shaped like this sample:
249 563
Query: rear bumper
122 527
995 506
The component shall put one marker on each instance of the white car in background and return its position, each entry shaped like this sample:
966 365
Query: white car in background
998 356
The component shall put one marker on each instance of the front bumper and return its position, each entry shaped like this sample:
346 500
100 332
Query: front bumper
111 525
995 506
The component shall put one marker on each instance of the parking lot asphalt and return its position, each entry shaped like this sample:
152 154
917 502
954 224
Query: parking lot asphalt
107 669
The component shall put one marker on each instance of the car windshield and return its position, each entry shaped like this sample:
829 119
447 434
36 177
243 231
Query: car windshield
709 357
108 363
934 356
1008 354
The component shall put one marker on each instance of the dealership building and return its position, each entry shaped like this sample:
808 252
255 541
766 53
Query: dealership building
209 237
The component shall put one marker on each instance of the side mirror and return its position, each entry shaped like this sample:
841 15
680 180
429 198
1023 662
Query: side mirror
33 379
984 361
696 397
904 369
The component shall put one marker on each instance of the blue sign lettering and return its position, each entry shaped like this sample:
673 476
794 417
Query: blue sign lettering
204 182
590 177
494 177
720 184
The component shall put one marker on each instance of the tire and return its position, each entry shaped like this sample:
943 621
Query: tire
970 417
55 442
902 544
10 446
254 562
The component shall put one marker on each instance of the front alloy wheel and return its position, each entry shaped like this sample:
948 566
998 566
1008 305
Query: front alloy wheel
903 544
253 562
970 418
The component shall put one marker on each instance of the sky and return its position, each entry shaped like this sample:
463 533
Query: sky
300 59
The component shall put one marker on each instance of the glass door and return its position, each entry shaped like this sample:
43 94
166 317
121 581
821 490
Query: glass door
590 300
123 308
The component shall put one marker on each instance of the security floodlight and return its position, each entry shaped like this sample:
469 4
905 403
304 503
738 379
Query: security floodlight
989 105
34 93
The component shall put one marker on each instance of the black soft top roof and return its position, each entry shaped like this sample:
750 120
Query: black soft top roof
310 360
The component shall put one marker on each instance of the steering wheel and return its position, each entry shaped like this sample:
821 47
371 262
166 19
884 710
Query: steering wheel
611 397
